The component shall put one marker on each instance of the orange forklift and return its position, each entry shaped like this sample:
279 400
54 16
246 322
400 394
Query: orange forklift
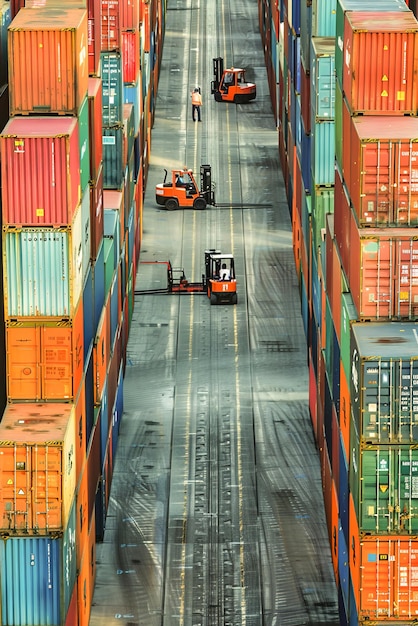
231 85
218 282
182 190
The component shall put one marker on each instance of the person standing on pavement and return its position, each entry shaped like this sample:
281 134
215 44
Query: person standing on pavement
196 104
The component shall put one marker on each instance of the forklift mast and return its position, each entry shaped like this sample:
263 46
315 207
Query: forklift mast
218 70
206 184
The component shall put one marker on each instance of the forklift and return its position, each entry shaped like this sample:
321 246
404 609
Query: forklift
230 85
182 191
218 282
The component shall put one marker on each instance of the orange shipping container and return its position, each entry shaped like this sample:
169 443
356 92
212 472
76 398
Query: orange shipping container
101 352
82 515
381 62
45 360
387 571
37 467
48 61
87 576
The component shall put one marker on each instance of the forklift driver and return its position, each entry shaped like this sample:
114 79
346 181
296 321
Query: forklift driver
225 274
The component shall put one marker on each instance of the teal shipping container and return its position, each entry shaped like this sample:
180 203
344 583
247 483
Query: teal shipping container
113 166
112 85
348 316
38 575
132 94
358 5
383 485
323 18
323 153
83 129
384 382
43 270
322 205
323 78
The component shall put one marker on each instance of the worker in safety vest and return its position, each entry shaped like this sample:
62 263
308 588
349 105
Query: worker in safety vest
196 104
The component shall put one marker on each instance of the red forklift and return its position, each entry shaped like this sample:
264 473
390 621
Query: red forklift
230 85
182 190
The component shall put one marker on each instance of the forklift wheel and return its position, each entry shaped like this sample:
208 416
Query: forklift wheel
213 298
172 204
234 299
199 204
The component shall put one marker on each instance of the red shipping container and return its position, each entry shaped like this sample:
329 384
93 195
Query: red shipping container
130 55
48 61
387 570
96 214
95 102
381 62
381 265
380 165
33 195
111 24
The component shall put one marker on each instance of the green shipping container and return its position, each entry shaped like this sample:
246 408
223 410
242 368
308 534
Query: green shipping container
322 205
348 316
83 128
384 484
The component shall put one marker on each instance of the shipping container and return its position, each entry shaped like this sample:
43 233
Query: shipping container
47 195
112 88
380 62
96 214
38 578
101 352
113 166
380 168
48 61
384 382
342 6
5 20
43 271
382 482
323 152
323 18
380 264
38 467
387 571
323 78
130 55
87 576
44 361
95 103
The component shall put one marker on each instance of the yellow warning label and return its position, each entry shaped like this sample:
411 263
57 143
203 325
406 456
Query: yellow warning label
384 488
384 94
385 47
39 213
384 78
400 96
10 482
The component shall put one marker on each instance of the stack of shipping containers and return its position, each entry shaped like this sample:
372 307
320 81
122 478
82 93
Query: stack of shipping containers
74 156
343 80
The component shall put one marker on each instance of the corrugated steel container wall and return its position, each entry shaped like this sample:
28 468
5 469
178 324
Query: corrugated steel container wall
384 382
48 61
47 195
345 412
130 55
43 271
323 18
388 500
98 270
94 26
348 316
84 134
5 19
38 467
45 361
87 575
104 434
82 512
80 424
305 32
323 78
322 205
381 265
112 88
85 233
110 24
95 103
381 62
358 6
113 167
87 304
323 152
114 217
381 157
93 462
72 613
132 94
387 578
101 352
38 578
96 214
